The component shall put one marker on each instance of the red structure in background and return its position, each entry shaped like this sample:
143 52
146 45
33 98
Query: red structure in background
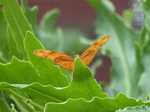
79 14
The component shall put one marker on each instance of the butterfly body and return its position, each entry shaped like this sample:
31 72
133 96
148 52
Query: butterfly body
67 61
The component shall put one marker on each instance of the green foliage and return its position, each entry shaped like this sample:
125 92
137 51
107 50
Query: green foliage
30 84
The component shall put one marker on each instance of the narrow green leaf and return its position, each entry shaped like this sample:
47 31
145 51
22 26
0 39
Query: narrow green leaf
48 21
48 72
4 54
145 50
4 107
13 99
52 40
14 96
21 104
30 13
13 108
17 22
48 36
144 6
13 49
95 105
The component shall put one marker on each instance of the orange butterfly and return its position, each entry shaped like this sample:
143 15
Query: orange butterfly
66 61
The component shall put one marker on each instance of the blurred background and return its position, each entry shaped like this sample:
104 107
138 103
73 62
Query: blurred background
81 15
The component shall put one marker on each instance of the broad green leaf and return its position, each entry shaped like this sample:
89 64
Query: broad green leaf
17 23
82 85
18 72
135 109
95 105
48 72
84 75
126 68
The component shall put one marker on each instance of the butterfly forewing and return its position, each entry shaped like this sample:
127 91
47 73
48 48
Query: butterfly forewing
60 59
89 53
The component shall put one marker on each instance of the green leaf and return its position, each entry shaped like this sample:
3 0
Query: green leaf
13 108
48 72
74 38
13 97
17 23
52 41
4 56
128 16
82 85
48 21
30 13
18 72
95 105
48 36
145 8
145 50
20 104
127 69
29 83
4 107
13 49
84 75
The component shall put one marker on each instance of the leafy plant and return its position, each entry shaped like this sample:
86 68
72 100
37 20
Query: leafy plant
31 84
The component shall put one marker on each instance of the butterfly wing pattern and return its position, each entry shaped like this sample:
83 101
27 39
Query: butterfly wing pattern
66 61
88 55
60 59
